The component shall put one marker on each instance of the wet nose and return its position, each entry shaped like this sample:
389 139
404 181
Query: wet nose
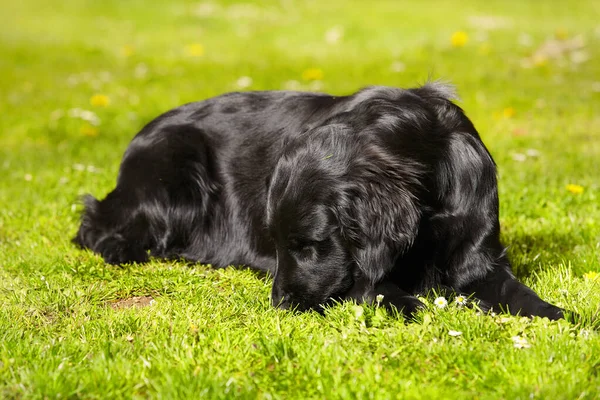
279 299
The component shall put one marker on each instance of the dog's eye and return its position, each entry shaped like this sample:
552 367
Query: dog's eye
299 244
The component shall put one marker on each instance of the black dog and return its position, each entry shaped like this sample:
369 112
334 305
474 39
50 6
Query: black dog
387 191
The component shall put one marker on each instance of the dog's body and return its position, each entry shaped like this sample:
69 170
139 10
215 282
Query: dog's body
387 191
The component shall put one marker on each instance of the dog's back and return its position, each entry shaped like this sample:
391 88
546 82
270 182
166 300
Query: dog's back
192 183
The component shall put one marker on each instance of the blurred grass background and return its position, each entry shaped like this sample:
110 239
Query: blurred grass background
79 78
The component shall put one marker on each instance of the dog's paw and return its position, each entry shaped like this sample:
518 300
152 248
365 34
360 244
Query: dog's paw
117 251
408 306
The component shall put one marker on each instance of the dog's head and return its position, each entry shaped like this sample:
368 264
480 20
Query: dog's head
338 212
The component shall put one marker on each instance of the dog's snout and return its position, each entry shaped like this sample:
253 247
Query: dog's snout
277 296
282 302
279 299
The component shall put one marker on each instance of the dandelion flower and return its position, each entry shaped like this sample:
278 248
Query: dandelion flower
194 50
520 342
126 51
561 34
99 100
312 74
539 60
508 112
459 39
460 300
454 333
440 302
591 276
575 189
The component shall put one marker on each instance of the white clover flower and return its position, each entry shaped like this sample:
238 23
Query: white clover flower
140 71
379 299
244 82
454 333
532 153
520 342
397 66
358 311
520 157
334 34
460 300
292 85
440 302
86 115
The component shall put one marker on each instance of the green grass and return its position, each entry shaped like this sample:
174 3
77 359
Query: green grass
212 334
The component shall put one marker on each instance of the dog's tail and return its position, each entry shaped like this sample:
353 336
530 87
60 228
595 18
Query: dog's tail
109 227
86 234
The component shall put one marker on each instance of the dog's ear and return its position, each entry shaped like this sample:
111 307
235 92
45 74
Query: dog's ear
379 211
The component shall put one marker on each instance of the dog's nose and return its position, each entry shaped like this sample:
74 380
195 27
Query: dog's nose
279 299
283 303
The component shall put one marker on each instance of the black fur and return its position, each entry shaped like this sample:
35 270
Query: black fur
387 191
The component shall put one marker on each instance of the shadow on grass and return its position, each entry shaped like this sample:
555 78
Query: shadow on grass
530 252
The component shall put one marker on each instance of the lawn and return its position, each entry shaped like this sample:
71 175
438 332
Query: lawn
79 78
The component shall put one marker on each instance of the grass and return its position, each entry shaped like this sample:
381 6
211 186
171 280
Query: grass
212 334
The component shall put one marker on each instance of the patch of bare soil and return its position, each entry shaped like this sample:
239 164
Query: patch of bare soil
136 301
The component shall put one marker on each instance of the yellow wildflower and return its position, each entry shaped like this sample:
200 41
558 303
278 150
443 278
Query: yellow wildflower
126 51
539 60
459 39
312 74
99 100
561 34
194 50
508 112
575 189
88 130
591 276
